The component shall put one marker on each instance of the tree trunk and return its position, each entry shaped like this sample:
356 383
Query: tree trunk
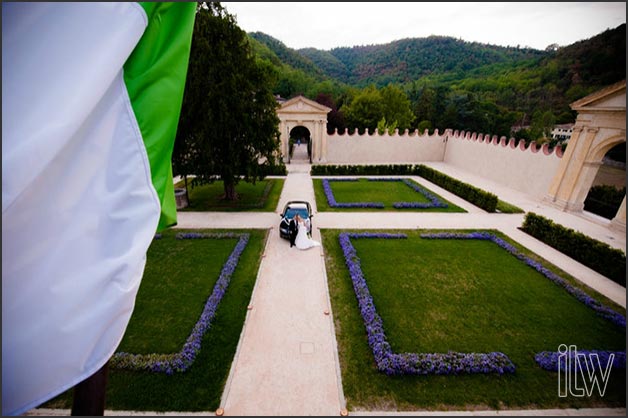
187 193
230 193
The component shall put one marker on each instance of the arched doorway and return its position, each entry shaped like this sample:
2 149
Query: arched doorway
600 126
303 113
609 185
300 144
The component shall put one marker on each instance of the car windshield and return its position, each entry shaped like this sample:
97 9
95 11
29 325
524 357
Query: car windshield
291 212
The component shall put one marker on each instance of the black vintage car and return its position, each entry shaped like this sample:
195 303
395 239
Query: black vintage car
291 209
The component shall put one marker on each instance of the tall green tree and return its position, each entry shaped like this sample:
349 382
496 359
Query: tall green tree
229 127
397 108
542 124
386 108
425 104
365 110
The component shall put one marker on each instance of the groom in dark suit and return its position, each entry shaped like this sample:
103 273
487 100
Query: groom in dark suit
292 230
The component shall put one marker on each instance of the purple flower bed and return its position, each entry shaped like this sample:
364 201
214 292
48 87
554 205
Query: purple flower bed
548 360
604 311
181 361
331 200
434 201
409 363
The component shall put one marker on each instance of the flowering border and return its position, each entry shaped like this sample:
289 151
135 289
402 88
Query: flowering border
181 361
409 363
435 202
331 200
548 360
600 309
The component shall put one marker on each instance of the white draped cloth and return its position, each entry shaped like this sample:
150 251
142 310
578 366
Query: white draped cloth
303 242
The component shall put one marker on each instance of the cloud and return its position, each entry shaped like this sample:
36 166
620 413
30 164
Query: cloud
329 25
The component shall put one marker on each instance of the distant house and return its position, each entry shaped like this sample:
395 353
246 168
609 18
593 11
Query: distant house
562 132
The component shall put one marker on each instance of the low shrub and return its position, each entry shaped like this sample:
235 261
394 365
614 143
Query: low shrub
485 200
594 254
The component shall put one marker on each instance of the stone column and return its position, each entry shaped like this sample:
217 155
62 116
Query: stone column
284 134
565 188
315 142
324 141
319 136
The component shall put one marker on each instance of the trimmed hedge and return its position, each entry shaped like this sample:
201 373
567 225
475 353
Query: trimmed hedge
485 200
362 170
276 170
599 256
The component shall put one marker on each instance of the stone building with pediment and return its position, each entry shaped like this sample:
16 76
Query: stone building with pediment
600 126
302 112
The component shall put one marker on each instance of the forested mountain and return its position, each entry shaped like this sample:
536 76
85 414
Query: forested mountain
550 83
598 61
287 55
409 59
330 65
451 83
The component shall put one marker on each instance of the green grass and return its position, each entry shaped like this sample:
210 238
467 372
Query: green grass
505 207
375 191
262 196
468 296
178 279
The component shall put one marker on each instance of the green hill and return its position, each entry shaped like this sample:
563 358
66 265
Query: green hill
286 55
454 83
409 59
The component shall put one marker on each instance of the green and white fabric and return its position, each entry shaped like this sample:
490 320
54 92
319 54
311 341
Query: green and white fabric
91 97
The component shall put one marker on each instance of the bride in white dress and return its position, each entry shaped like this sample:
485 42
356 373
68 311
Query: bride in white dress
303 242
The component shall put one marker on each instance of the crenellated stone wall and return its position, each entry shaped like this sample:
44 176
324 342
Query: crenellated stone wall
506 162
384 148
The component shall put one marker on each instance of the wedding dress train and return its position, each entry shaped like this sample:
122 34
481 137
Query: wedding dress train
303 242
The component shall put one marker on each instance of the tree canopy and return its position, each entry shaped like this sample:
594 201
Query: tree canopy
228 128
385 109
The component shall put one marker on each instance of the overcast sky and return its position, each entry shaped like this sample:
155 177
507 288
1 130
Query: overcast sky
330 25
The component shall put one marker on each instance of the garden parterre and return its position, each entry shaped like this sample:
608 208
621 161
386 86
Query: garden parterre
529 384
192 301
378 193
182 360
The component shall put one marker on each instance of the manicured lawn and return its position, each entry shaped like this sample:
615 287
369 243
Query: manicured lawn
375 191
179 277
261 196
505 207
436 296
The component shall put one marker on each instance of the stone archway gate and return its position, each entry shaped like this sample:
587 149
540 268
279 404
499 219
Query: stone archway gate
600 125
300 111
